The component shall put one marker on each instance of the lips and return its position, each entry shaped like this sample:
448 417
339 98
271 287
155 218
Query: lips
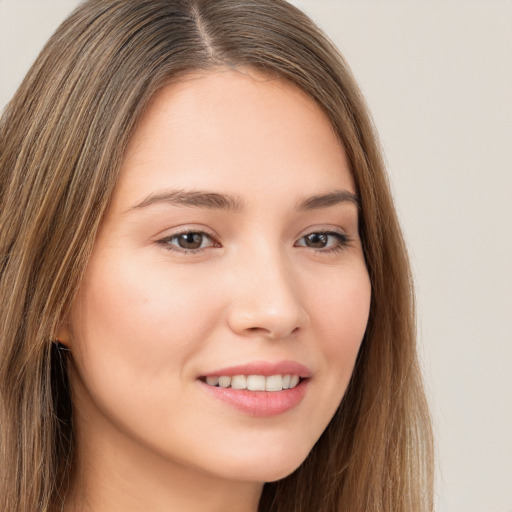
264 368
259 388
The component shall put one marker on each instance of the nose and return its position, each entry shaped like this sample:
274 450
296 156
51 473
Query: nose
266 300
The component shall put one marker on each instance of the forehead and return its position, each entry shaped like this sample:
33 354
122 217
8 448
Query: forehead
234 131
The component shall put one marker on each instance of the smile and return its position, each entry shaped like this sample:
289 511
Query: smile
254 382
264 389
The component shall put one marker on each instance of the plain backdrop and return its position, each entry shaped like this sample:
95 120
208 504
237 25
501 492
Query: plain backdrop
438 78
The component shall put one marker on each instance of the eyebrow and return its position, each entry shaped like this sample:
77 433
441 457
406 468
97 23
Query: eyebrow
330 199
194 198
216 201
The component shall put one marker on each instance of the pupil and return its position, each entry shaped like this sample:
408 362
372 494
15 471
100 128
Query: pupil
316 240
190 240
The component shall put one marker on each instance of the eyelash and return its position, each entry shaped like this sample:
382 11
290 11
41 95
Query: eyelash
342 241
166 242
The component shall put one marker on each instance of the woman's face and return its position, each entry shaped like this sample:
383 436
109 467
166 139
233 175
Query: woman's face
230 250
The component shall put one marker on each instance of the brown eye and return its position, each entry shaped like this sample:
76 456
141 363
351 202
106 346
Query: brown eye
316 240
190 240
324 241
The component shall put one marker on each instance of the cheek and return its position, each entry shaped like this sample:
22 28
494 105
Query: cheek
136 330
340 319
137 320
341 310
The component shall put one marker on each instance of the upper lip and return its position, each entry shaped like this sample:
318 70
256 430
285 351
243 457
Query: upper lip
265 368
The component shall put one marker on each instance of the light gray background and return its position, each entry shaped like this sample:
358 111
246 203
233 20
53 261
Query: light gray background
438 78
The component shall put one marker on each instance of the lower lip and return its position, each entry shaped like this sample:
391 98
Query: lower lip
260 403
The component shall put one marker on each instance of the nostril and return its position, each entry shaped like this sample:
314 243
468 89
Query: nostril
272 333
261 331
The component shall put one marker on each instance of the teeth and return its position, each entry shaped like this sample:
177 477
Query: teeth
239 382
255 382
224 382
213 381
274 383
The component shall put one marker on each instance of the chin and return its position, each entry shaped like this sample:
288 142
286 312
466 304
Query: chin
265 466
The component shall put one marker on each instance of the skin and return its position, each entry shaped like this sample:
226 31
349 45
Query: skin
150 318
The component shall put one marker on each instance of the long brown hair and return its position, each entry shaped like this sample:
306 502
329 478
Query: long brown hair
62 138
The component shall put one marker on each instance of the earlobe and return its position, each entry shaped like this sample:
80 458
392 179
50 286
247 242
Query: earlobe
63 337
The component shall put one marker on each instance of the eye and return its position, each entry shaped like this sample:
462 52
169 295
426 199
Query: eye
325 241
188 241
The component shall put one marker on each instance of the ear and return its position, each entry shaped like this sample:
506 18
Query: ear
64 334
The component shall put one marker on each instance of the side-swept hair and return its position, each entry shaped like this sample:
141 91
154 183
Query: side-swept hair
62 138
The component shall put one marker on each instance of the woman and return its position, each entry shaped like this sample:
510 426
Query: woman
206 302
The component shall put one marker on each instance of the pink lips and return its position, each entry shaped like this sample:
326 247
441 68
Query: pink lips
264 368
261 403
